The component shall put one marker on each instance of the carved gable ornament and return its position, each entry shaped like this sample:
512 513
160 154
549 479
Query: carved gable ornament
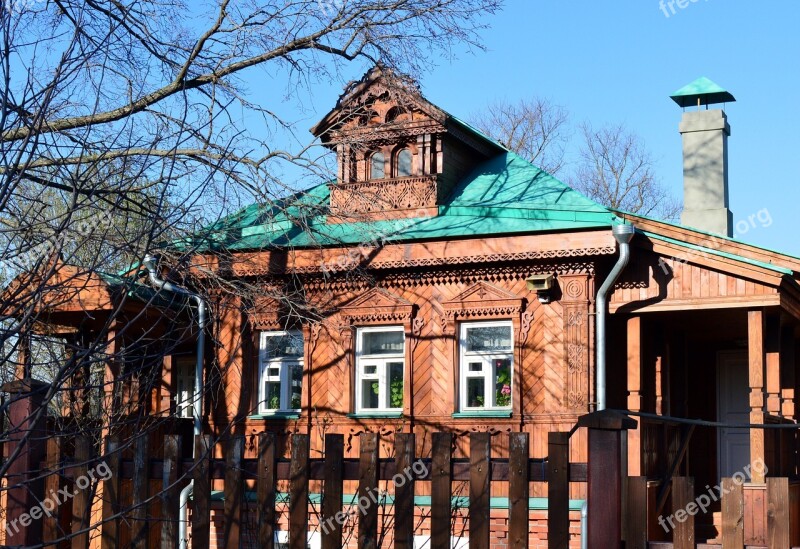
483 300
378 305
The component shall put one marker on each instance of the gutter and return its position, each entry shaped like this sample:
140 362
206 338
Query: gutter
150 263
623 234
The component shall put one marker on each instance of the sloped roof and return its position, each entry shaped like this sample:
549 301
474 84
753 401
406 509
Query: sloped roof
503 195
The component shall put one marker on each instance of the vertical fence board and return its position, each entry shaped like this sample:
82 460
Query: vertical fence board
233 492
732 514
267 488
368 488
170 492
778 512
518 489
201 493
636 534
441 487
52 484
110 531
557 490
140 529
298 493
82 500
480 449
682 496
404 491
332 491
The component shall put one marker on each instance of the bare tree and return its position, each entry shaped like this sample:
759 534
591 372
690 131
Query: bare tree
535 129
616 170
121 128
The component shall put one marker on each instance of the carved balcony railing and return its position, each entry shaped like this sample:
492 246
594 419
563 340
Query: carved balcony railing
402 193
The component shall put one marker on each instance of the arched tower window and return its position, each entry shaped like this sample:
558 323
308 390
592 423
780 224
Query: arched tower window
377 166
403 163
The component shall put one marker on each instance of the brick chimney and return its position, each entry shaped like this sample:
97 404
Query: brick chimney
705 157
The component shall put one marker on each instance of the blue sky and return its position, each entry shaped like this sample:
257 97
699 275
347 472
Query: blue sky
610 62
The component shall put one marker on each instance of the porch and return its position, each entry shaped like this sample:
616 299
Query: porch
714 391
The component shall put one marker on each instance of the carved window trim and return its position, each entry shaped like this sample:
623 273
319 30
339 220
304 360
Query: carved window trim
486 302
378 307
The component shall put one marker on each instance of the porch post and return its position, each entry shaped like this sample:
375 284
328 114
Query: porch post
634 355
772 352
788 374
755 349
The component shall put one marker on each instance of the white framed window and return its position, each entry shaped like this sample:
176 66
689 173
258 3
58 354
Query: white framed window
380 368
486 365
184 385
280 371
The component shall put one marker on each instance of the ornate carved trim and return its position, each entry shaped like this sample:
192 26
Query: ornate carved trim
464 260
378 305
482 300
575 301
405 193
416 326
525 326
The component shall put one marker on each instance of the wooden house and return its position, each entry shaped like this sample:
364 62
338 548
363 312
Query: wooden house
443 283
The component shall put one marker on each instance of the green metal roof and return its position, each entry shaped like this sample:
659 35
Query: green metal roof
503 195
704 90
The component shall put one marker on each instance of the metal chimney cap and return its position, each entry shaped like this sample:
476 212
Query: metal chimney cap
623 233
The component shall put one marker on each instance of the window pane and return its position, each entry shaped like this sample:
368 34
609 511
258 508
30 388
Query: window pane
382 343
285 345
296 387
370 369
489 338
404 163
272 395
502 391
369 393
475 397
395 384
476 366
377 166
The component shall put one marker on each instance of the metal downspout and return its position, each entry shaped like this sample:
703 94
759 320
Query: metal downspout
623 234
150 263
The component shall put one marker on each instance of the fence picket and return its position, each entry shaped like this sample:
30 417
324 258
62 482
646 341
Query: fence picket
332 495
480 449
368 491
778 512
518 489
266 490
441 488
557 490
682 497
732 514
298 493
404 491
140 529
170 492
201 493
110 531
233 492
52 484
82 500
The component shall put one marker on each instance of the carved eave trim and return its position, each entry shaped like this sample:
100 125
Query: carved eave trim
378 305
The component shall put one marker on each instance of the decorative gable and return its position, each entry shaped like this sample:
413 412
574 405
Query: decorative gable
398 155
378 305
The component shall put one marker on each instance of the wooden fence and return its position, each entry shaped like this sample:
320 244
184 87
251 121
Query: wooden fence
139 500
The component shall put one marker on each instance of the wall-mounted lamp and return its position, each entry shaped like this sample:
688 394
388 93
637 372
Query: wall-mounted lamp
541 284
